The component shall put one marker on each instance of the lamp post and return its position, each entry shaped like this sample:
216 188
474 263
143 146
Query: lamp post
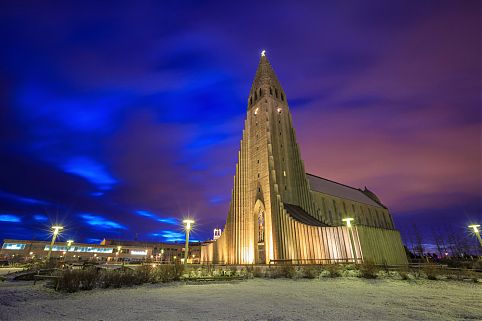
56 229
475 228
187 226
348 221
69 245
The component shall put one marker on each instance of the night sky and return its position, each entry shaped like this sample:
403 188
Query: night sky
120 119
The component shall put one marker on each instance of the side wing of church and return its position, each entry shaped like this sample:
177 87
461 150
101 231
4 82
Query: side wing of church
279 213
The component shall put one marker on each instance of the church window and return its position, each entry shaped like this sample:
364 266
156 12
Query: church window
251 100
271 91
276 92
261 227
255 96
260 92
258 175
259 189
285 188
258 161
282 97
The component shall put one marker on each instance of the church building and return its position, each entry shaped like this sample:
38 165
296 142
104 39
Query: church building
281 214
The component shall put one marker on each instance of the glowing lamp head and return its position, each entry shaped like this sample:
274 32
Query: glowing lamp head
475 227
348 221
188 224
69 242
263 53
57 228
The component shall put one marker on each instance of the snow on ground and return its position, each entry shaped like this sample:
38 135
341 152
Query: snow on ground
256 299
7 270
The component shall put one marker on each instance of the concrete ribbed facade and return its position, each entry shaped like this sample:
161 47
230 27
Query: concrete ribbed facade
278 212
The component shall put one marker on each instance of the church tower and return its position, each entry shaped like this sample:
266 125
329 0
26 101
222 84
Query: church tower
275 215
269 173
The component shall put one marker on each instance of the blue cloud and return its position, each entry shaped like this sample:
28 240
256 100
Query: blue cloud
22 199
90 170
101 222
40 218
170 236
10 218
168 220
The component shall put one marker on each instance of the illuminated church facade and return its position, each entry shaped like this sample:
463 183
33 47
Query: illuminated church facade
279 213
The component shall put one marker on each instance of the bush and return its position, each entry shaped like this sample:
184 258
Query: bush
404 275
284 271
310 272
333 270
431 272
75 280
166 273
368 270
258 272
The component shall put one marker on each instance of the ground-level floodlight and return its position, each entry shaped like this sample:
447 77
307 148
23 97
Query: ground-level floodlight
187 226
348 221
475 228
56 229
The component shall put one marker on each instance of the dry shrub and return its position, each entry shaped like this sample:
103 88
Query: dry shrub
404 275
311 272
166 273
258 272
75 280
333 270
368 270
284 271
431 271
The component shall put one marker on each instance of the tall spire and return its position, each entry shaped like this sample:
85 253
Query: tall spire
265 76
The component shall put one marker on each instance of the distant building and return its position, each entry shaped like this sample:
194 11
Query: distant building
108 250
278 213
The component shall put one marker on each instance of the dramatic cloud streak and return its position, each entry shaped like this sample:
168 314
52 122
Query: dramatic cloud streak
135 111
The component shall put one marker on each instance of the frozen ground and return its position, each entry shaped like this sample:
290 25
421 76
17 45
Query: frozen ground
257 299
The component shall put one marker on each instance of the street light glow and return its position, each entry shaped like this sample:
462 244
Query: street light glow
57 229
474 227
188 224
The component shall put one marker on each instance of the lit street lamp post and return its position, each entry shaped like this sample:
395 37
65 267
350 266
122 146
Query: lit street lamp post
475 228
69 245
187 227
56 229
348 221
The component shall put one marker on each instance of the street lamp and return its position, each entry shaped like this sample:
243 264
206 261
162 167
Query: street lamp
348 221
187 226
69 245
475 228
56 229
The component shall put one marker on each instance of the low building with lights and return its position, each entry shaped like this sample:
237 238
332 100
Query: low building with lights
108 250
279 213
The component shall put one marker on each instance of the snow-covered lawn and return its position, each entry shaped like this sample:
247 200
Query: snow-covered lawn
255 299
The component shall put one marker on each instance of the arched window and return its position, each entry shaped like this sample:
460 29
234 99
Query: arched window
261 227
282 97
260 92
276 92
251 100
255 96
271 91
